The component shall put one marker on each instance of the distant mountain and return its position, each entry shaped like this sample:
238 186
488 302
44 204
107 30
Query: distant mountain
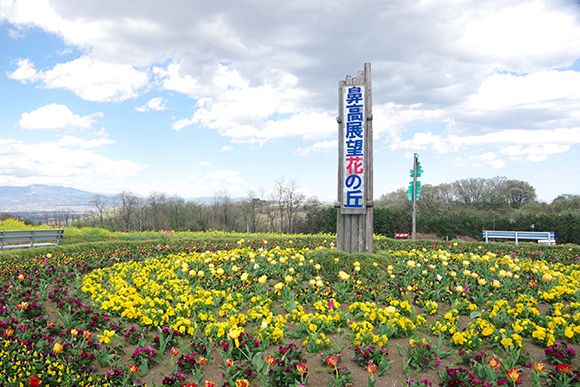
41 197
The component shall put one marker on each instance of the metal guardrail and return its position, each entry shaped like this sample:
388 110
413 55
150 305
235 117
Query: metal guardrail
517 235
34 238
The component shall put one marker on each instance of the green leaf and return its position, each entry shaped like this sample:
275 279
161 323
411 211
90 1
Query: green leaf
400 350
474 314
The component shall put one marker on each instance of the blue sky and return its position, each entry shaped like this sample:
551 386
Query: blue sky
191 98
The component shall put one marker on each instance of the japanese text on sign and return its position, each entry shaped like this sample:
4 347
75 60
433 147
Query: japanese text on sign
354 149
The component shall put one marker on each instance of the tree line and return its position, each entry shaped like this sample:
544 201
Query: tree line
462 208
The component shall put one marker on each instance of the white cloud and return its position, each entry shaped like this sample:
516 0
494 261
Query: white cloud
522 145
488 159
25 71
422 140
226 148
76 141
525 31
534 153
226 175
90 79
156 103
246 113
542 90
42 160
204 164
321 146
56 117
520 136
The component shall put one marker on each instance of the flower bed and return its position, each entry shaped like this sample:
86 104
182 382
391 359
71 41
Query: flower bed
291 311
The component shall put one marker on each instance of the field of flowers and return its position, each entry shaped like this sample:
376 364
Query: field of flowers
289 311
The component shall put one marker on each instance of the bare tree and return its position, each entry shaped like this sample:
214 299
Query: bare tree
221 208
156 208
130 206
252 208
289 200
175 206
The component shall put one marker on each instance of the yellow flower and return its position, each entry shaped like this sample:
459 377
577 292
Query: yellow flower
458 338
235 333
507 342
343 275
244 276
547 277
57 348
106 336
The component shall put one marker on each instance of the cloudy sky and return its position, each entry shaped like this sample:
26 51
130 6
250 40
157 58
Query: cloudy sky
192 97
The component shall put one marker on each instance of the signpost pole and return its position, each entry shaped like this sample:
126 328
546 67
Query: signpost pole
414 225
355 164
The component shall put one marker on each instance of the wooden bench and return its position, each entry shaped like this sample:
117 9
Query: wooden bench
545 236
34 238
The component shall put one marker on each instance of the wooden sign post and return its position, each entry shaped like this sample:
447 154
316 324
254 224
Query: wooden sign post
354 227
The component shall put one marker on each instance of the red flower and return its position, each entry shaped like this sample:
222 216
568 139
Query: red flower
331 360
372 368
230 362
133 368
188 385
242 383
514 375
202 360
301 368
174 351
209 383
34 381
564 368
270 360
540 367
494 363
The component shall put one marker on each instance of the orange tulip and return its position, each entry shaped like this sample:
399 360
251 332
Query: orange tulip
209 383
514 375
202 360
540 367
301 368
372 368
242 383
230 362
270 360
133 368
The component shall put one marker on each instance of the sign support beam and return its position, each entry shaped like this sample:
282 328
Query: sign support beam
355 164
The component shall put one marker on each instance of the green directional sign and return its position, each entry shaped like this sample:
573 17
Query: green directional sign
419 169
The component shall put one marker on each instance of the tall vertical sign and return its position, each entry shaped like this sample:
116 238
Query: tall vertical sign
355 164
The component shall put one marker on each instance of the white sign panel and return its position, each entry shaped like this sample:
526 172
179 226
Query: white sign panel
353 186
